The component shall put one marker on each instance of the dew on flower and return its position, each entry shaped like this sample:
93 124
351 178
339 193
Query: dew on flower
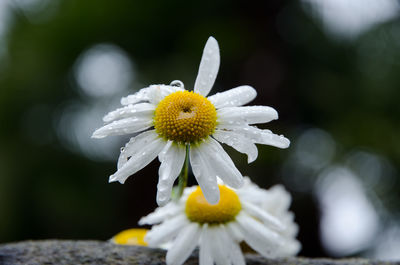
184 128
180 126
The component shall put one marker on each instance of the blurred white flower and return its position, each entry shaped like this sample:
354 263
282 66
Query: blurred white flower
256 216
170 119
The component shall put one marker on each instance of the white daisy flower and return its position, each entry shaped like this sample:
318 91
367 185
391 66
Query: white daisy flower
258 217
170 119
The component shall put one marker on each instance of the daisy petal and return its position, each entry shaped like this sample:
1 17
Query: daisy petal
236 256
258 136
259 237
292 247
141 95
253 194
208 69
227 248
172 161
138 111
184 244
207 182
248 114
205 256
239 142
160 214
221 164
153 94
234 231
264 216
220 245
159 92
230 247
279 201
237 96
235 253
161 156
166 231
124 126
135 145
138 161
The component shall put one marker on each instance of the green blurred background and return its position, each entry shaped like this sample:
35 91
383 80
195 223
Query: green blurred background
330 67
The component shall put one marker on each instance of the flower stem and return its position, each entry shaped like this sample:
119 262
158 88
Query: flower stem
183 176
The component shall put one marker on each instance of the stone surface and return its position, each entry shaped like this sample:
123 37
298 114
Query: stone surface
97 252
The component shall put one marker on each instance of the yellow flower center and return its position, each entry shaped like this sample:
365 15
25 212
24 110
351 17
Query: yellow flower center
134 236
200 211
185 117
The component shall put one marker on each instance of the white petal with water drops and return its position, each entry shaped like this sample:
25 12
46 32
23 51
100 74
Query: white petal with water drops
138 161
141 95
135 145
248 114
124 126
172 160
221 164
234 97
258 136
239 142
152 94
208 68
207 181
140 110
159 92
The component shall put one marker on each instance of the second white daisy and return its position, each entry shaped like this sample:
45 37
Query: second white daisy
170 119
253 215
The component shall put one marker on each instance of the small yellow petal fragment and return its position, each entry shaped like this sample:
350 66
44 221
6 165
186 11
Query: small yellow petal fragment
185 117
134 236
200 211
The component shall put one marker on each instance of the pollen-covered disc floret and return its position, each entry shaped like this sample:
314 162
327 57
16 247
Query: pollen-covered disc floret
185 117
198 210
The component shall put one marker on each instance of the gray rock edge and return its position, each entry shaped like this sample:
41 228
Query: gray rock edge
100 252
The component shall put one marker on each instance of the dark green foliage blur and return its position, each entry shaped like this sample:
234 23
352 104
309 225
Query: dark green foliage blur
48 190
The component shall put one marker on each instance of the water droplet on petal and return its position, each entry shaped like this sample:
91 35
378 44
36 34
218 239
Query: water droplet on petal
177 83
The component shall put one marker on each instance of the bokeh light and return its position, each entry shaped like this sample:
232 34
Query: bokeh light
103 70
75 124
4 22
348 19
312 151
388 244
349 222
